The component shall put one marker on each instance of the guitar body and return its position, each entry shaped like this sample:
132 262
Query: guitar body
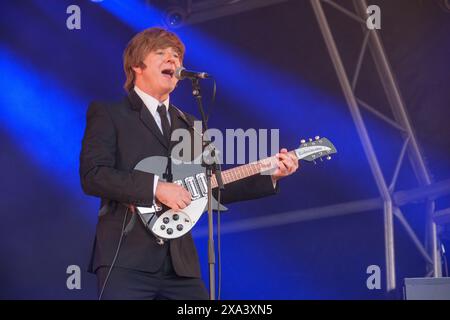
174 224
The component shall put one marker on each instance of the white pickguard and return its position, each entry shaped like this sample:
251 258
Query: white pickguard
188 217
170 228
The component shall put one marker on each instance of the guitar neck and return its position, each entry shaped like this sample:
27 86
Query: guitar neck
247 170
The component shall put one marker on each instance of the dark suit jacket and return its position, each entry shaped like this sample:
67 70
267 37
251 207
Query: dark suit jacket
116 138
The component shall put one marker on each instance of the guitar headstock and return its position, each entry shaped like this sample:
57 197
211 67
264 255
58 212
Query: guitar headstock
315 149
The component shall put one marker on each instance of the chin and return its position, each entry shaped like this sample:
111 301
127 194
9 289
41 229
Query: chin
170 88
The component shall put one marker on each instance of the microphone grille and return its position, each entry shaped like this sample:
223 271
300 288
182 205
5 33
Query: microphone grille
178 73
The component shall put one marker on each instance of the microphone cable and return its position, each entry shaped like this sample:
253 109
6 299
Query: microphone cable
122 234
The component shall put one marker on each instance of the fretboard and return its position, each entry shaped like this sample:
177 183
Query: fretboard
246 170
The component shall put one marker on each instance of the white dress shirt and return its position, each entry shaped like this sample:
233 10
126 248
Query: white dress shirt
152 104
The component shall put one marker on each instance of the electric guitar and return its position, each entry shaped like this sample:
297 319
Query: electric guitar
174 224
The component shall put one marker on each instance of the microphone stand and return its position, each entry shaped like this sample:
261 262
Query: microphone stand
211 169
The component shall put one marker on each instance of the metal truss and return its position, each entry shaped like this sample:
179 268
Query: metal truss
178 13
372 40
203 10
390 199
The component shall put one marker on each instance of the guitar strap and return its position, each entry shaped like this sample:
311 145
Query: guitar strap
183 117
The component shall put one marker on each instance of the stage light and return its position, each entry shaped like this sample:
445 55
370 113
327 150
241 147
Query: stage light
174 12
175 17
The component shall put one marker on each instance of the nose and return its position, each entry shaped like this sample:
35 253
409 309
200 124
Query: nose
169 58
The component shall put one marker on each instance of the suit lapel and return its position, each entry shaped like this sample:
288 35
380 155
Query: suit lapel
175 123
146 117
149 121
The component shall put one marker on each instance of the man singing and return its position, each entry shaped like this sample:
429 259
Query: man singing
117 137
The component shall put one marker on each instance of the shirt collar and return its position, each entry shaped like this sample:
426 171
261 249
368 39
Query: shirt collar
150 102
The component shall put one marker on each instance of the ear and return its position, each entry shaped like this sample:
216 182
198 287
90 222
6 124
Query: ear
137 70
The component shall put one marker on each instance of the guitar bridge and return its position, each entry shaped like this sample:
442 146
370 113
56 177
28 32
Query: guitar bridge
157 207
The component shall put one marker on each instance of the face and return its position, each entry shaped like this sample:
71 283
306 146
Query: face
158 78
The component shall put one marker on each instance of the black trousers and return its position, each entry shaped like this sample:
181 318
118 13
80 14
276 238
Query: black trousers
128 284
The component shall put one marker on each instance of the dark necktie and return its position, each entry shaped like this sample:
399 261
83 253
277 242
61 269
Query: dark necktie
164 121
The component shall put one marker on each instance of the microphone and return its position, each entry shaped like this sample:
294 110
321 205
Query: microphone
181 73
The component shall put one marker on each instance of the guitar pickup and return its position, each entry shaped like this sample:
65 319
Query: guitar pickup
192 188
201 180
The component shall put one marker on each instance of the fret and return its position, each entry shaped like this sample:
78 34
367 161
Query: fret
270 163
251 168
226 177
233 175
244 171
262 165
241 173
248 167
230 175
247 170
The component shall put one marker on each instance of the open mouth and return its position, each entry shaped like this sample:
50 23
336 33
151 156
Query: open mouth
168 72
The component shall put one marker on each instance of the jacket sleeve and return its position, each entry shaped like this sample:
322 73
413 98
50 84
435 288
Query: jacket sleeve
253 187
98 174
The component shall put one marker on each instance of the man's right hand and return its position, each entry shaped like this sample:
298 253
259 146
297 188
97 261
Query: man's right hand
172 195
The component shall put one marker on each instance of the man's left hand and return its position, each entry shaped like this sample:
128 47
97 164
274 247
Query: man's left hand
287 165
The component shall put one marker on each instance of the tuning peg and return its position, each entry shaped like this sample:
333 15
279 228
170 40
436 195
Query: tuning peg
302 141
329 158
310 140
317 137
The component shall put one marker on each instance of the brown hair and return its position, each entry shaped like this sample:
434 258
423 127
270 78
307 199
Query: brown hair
142 44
